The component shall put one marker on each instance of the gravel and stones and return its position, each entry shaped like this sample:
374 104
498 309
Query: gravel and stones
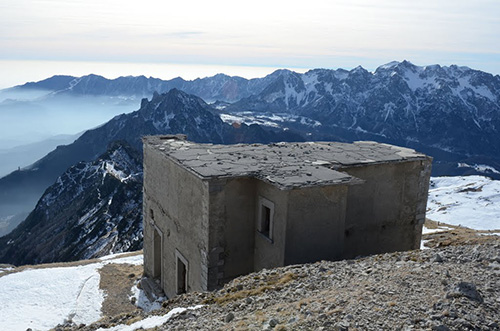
449 288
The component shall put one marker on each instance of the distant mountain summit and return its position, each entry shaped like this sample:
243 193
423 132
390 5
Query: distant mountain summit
54 83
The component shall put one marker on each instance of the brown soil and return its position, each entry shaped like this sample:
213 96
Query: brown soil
116 282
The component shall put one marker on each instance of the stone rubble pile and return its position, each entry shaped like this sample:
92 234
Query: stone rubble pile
451 288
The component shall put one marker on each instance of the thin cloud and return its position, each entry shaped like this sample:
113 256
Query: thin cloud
222 31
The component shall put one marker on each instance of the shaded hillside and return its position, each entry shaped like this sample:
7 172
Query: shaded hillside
93 209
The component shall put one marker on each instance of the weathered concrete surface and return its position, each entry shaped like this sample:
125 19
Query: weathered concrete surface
271 252
326 201
176 204
315 224
387 211
232 220
285 165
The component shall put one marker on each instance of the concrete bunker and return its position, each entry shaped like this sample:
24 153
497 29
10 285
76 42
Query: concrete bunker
220 211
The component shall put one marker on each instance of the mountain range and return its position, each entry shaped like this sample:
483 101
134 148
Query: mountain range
210 89
451 113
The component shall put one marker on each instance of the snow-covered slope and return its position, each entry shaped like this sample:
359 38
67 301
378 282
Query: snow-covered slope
42 298
472 201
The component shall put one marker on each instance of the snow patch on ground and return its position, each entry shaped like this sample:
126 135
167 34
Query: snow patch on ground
150 322
479 167
426 230
40 299
469 201
142 301
118 174
422 244
248 119
137 259
437 230
267 119
490 234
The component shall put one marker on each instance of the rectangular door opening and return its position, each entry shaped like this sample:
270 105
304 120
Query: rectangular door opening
182 274
157 254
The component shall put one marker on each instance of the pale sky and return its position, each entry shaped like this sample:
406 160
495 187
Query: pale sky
116 35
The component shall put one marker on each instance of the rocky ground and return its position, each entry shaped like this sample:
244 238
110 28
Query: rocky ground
453 287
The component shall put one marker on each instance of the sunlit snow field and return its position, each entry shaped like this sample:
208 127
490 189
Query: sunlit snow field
40 299
471 201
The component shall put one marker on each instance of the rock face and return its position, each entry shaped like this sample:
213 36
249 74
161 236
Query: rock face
93 209
173 112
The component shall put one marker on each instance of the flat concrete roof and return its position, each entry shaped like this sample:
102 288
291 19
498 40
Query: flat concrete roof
285 165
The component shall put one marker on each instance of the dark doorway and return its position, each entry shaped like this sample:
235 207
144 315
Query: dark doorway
157 254
181 276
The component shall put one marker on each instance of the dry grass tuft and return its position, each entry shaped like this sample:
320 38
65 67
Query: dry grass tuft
134 319
237 293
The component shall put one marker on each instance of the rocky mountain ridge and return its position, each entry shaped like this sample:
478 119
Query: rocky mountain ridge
451 113
218 87
93 209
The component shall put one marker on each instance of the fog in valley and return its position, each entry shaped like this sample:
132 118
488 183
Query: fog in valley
32 123
31 117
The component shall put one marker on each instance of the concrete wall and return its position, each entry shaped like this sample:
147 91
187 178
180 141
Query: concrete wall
236 247
271 253
179 201
386 213
232 227
315 224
